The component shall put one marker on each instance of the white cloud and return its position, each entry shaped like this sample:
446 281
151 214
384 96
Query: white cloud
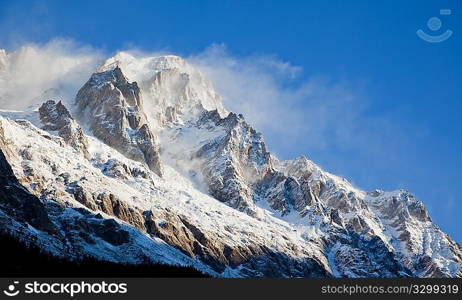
325 118
295 116
318 111
320 116
61 65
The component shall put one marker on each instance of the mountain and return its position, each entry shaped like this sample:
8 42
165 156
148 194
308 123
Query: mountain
145 165
35 262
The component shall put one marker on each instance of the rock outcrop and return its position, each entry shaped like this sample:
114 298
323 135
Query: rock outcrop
55 117
239 171
235 161
174 91
113 108
224 204
16 201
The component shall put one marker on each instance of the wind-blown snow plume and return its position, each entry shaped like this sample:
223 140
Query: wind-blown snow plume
255 86
34 72
314 116
271 95
215 191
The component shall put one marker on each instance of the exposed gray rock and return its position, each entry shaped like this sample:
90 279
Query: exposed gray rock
332 228
16 201
113 108
235 162
284 193
55 117
110 231
254 260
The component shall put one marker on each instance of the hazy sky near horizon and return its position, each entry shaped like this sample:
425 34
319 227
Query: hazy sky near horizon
349 84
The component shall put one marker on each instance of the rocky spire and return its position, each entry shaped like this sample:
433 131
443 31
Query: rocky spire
55 117
113 109
174 91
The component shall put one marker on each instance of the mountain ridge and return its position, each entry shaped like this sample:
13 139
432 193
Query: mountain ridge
210 163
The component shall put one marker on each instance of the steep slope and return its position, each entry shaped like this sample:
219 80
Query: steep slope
56 222
174 91
226 157
396 218
114 109
168 208
33 261
172 166
15 200
56 117
235 167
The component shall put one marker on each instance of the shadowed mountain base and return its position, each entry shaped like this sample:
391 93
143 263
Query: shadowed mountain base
19 260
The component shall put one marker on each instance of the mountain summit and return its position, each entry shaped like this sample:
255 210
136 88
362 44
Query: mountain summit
152 168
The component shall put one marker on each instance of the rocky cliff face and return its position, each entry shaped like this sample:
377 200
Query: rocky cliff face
234 162
357 239
82 196
56 117
223 203
15 200
174 91
113 109
41 211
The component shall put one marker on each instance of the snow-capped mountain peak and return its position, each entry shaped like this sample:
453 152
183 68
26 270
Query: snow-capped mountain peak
172 88
141 68
162 162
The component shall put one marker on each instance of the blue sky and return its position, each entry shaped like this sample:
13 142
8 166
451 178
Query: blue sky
396 99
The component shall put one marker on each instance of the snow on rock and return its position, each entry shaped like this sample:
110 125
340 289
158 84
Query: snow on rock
425 248
173 168
398 219
173 90
56 117
113 109
73 232
217 235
